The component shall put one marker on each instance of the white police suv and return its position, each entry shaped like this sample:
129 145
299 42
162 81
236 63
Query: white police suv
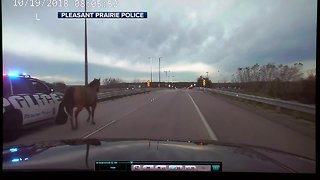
26 101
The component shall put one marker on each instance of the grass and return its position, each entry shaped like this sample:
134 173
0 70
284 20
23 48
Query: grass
293 113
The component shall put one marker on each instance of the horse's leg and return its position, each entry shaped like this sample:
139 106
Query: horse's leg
92 113
76 115
71 119
70 115
88 109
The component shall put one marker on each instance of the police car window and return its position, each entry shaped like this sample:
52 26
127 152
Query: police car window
6 87
39 87
21 86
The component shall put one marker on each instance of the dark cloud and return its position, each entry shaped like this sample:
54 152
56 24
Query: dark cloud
233 34
285 34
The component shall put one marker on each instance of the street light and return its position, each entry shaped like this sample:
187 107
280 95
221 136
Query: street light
159 71
85 47
166 75
151 68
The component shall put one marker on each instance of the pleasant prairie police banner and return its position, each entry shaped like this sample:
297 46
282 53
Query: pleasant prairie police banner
102 14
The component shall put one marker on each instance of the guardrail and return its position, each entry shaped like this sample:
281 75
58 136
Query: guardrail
311 109
120 93
117 94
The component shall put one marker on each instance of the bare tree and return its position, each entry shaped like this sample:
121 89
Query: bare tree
295 72
136 80
247 77
283 72
233 78
270 72
254 73
240 75
111 82
311 73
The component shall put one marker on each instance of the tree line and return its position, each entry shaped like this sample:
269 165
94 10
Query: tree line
269 72
277 81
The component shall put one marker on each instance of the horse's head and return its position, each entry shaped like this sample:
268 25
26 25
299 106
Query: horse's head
95 84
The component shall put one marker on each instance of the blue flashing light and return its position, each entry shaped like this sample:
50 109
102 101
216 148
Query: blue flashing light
13 149
15 160
19 159
13 74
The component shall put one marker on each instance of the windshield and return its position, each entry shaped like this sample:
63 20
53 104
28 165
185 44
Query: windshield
240 72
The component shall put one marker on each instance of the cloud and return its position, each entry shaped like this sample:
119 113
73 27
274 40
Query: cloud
193 37
57 78
46 48
273 35
30 44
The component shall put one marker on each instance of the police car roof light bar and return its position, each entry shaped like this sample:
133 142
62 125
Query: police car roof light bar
17 75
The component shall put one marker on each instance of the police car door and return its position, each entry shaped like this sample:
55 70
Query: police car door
48 101
24 100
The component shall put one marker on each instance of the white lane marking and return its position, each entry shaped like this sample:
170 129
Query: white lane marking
204 121
99 129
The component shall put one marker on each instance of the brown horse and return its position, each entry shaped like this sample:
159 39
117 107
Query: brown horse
79 97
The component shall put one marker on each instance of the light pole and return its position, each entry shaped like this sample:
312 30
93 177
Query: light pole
151 68
207 75
166 75
159 72
85 47
170 76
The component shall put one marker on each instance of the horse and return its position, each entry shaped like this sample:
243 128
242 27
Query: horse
79 97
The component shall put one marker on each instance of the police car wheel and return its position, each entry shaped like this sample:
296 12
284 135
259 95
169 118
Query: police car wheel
12 126
61 117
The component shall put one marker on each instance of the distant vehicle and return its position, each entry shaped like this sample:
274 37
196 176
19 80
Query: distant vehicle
132 87
190 87
26 101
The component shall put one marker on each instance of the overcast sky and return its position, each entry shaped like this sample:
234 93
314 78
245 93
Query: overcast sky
192 36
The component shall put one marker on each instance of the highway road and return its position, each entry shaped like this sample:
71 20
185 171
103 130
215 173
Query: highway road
183 114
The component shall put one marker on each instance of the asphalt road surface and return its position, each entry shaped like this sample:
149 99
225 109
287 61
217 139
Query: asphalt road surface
183 114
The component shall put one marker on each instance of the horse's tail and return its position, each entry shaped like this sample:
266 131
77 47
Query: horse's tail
68 101
62 116
65 107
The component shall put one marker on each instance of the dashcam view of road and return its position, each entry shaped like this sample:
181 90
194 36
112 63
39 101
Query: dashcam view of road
239 72
184 114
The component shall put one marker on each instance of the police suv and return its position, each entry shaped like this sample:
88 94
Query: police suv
26 101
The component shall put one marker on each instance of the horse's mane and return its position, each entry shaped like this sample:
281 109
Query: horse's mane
92 83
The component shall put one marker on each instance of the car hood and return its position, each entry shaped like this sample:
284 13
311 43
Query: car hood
81 154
